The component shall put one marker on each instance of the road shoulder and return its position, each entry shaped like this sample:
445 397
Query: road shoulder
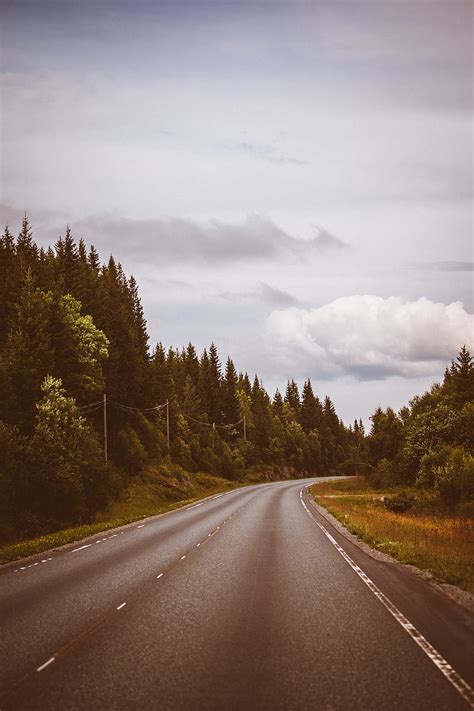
461 597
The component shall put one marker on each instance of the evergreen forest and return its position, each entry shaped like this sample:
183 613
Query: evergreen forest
72 329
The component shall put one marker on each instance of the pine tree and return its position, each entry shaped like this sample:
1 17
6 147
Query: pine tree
214 378
67 263
230 402
8 285
262 421
311 412
463 378
26 249
277 404
28 355
292 397
191 404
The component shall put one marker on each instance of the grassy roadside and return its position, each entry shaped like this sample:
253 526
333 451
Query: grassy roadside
154 492
437 541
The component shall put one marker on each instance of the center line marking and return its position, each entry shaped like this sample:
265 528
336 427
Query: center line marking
183 557
78 549
122 605
159 576
43 666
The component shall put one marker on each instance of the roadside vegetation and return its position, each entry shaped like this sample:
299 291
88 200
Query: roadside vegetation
410 524
416 498
73 330
155 491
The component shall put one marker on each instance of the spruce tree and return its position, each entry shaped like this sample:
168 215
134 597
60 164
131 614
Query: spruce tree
230 402
292 397
311 412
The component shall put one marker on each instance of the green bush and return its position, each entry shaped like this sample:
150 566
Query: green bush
454 481
380 477
429 464
129 451
400 503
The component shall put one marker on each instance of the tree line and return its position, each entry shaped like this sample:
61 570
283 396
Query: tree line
430 443
72 328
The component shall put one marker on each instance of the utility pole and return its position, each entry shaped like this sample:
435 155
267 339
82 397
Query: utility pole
245 429
105 427
213 434
168 423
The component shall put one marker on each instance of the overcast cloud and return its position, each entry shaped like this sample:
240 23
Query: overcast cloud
371 338
259 166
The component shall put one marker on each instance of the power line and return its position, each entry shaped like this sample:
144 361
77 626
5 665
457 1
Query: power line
93 406
130 408
198 422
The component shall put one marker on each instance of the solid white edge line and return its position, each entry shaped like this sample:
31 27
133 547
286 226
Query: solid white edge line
46 664
461 686
122 605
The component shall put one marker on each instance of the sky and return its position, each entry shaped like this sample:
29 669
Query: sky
291 180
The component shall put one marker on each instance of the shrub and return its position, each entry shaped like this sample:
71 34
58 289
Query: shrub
400 503
454 481
129 451
380 476
430 463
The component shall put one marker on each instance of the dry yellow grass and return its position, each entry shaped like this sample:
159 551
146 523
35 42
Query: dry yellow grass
440 543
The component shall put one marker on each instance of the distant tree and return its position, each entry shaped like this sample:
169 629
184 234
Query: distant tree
292 397
311 411
386 435
229 395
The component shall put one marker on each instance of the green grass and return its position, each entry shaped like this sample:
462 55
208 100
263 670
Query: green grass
152 493
431 539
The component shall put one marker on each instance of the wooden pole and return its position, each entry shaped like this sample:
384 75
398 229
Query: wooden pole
168 423
105 427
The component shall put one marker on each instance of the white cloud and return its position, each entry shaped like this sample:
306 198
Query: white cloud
370 337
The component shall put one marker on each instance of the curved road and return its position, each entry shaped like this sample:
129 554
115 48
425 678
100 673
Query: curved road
247 600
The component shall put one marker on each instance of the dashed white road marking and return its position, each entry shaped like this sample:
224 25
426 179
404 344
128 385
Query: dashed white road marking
183 557
122 605
46 664
444 667
197 545
76 550
159 576
141 525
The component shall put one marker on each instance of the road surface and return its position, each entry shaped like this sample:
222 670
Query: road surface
247 600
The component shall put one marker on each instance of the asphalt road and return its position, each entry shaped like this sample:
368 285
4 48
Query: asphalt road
248 600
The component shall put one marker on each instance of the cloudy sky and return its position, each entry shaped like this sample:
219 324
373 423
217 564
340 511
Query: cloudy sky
292 180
